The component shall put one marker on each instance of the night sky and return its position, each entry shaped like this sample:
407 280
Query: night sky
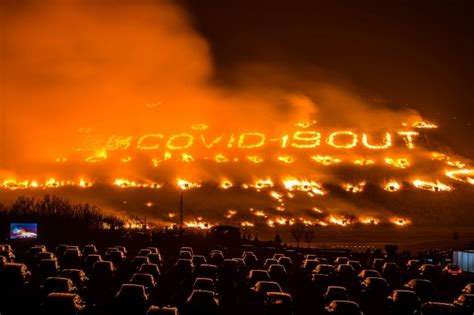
417 54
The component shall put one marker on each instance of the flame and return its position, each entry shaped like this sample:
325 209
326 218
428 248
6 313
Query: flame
424 125
226 184
221 158
338 220
186 185
286 159
255 159
369 220
97 157
462 175
400 163
457 164
325 160
392 186
364 162
399 221
431 186
262 183
185 157
124 183
246 224
230 213
355 188
308 186
198 224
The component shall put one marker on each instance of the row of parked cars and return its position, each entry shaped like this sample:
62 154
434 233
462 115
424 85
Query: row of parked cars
73 280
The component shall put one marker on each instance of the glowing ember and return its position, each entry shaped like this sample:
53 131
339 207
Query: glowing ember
431 186
286 159
186 185
462 175
255 159
355 188
392 186
198 224
363 162
262 183
325 160
400 221
226 184
292 184
424 125
400 163
369 220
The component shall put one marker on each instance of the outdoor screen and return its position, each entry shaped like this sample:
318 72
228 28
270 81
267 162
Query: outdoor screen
23 231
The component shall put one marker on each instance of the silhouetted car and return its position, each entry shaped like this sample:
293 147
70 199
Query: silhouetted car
452 270
156 310
404 302
8 255
34 250
423 288
144 252
102 275
465 303
202 302
90 260
278 303
326 270
184 267
199 260
14 275
413 265
263 287
63 304
206 284
131 299
277 273
217 258
123 249
77 276
374 286
368 273
155 258
345 273
71 258
144 279
250 260
43 255
309 265
138 261
341 260
46 268
356 265
335 293
257 275
152 269
57 284
115 256
468 289
438 308
187 249
88 250
377 264
429 271
338 307
286 262
207 271
269 261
